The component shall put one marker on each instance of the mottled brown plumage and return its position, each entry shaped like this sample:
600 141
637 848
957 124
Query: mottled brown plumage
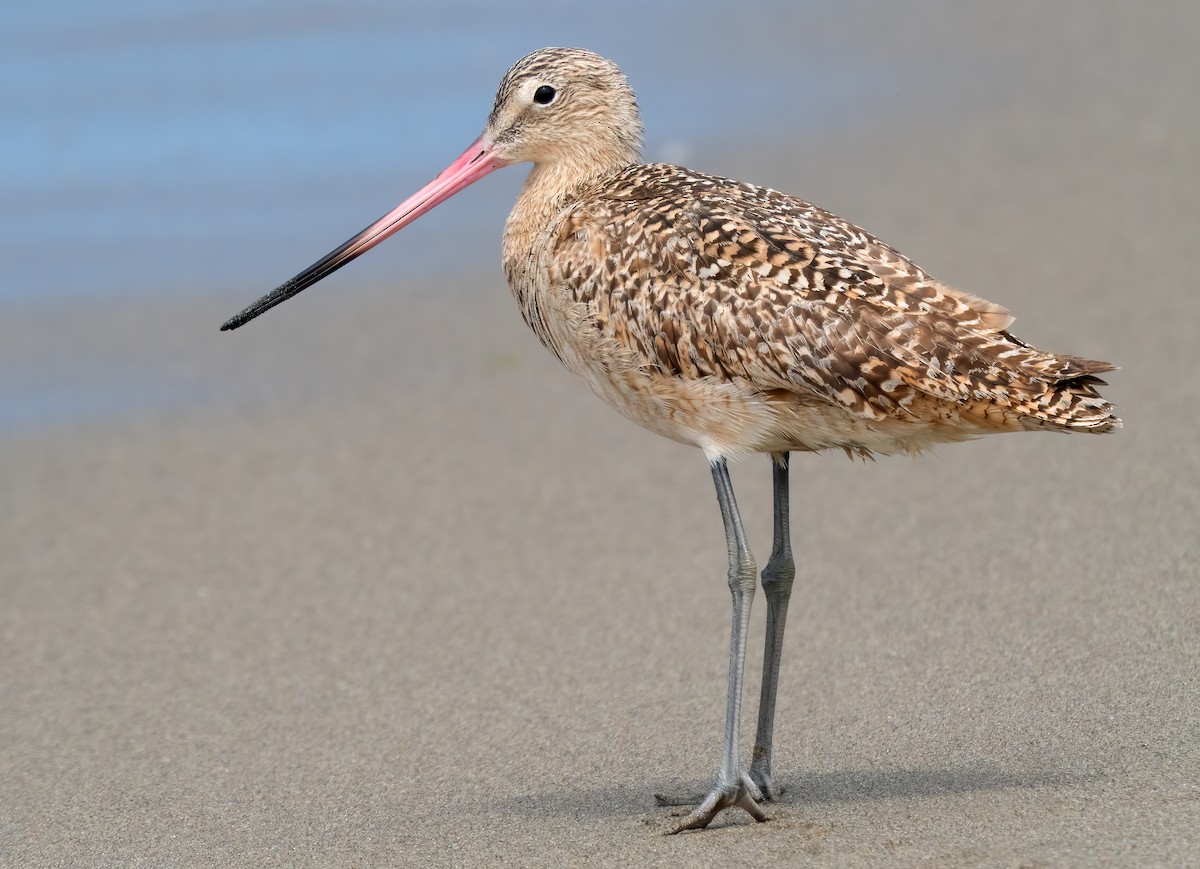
668 290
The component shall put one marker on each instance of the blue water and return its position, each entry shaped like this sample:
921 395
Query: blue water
154 148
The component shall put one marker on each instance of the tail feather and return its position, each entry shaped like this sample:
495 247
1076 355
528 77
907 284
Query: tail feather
1072 402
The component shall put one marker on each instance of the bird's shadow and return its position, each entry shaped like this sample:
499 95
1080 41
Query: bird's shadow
865 785
843 786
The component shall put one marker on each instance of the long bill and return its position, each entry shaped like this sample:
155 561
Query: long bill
474 163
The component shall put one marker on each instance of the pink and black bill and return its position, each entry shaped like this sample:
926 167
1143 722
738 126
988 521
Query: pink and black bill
474 163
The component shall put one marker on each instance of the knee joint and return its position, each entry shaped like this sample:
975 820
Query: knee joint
741 573
779 574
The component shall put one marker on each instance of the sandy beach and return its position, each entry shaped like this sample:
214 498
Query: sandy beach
385 586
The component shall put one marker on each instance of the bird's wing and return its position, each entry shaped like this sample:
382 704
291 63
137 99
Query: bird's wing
704 277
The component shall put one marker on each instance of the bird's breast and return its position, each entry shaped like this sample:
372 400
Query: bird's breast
720 417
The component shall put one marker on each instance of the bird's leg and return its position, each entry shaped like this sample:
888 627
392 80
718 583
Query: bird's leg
777 586
733 787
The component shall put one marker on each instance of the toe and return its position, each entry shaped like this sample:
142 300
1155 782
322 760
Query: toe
720 799
765 784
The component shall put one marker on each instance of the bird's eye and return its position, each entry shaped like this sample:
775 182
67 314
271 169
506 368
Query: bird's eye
544 95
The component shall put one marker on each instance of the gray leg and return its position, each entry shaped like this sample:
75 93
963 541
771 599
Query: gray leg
777 586
733 787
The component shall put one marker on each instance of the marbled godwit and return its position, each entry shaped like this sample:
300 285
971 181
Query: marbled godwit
735 319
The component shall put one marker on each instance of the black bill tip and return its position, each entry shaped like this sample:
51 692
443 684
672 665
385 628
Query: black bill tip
319 270
280 294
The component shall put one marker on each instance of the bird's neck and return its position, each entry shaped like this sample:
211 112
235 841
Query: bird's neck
549 189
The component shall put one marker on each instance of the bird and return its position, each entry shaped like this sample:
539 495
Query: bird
736 319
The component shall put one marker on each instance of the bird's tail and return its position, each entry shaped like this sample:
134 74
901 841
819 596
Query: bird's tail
1071 401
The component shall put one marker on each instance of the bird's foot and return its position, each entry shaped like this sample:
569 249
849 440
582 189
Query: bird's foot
743 793
766 784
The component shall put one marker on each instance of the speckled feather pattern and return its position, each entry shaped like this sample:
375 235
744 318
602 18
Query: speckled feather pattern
741 319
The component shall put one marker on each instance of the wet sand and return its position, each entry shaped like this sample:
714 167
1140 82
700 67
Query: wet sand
382 585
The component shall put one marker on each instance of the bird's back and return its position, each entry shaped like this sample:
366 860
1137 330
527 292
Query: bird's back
700 278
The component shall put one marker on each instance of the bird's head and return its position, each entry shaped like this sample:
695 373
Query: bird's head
565 105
